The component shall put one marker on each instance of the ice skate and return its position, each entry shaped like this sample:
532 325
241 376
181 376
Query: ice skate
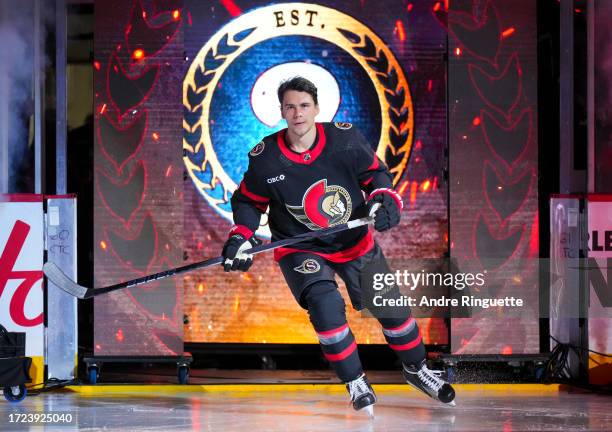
429 382
362 395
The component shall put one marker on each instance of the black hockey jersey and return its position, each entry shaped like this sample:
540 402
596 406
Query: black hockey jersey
315 189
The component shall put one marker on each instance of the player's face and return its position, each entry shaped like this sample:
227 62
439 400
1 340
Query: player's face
299 110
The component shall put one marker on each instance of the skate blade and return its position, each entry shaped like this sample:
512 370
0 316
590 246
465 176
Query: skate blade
452 403
369 410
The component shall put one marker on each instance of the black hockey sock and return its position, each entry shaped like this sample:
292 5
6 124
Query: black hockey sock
404 337
339 347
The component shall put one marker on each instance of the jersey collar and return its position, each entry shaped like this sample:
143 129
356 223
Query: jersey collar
306 157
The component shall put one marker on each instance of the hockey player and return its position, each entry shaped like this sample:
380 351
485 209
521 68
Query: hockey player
313 176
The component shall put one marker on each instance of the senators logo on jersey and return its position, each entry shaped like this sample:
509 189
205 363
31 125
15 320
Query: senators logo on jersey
308 266
323 206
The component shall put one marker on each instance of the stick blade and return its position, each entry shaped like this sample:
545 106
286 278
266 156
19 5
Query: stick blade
63 282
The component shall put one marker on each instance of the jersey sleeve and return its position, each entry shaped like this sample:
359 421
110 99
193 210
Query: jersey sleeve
249 202
372 173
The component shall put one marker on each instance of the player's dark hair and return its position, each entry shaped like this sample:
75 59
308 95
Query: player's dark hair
298 83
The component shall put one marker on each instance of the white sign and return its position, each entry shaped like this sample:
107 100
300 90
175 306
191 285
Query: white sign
21 261
600 248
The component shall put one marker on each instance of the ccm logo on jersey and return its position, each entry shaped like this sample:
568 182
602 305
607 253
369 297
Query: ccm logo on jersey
276 179
308 266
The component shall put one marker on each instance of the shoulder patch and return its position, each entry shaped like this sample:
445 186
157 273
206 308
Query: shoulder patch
257 149
343 125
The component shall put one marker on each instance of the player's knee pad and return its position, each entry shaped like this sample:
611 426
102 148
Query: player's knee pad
326 306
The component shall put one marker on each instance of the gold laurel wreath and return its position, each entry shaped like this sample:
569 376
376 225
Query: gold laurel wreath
387 75
204 74
395 93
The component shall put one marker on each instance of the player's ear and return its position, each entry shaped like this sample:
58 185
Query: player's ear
316 110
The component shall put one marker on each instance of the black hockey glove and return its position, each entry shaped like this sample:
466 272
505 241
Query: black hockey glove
388 213
233 252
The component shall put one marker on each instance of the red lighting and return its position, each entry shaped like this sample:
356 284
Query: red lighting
176 14
155 136
429 85
506 350
507 32
458 51
231 7
413 193
97 65
103 245
119 335
401 32
138 54
103 109
403 187
169 171
418 145
200 288
409 7
476 121
436 7
425 186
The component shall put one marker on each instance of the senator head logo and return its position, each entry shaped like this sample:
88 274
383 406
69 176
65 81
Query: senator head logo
323 206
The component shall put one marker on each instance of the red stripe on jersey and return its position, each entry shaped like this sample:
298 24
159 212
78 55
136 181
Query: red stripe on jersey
407 346
360 249
367 182
261 207
251 195
334 331
374 164
299 157
372 167
342 354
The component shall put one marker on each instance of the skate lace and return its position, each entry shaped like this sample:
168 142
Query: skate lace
431 378
358 387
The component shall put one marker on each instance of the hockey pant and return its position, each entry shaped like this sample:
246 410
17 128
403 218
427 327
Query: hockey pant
311 280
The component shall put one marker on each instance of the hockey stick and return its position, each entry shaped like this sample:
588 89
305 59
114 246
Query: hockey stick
59 278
